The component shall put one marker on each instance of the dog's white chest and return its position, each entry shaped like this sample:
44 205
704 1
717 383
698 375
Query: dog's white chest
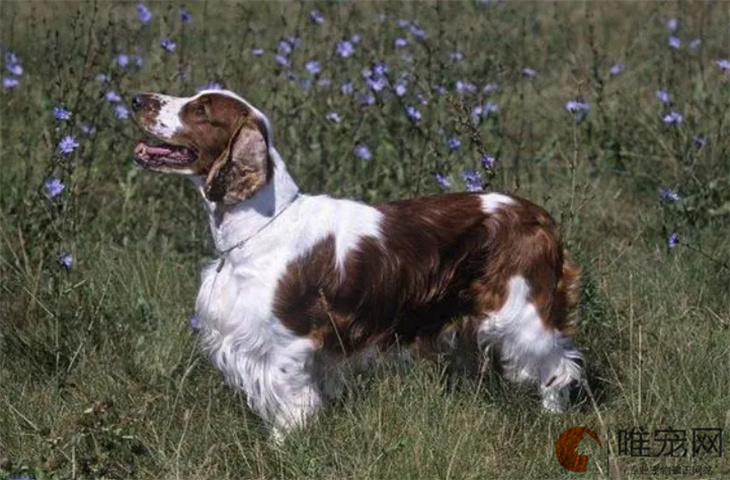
216 297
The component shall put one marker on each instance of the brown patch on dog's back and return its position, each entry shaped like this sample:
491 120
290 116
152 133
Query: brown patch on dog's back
438 259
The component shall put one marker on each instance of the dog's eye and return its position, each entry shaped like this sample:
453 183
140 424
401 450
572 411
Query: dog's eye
199 110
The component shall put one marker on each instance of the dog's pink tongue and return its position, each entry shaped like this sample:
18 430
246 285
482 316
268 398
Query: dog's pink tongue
158 151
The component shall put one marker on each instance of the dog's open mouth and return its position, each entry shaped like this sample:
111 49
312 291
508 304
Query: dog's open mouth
165 154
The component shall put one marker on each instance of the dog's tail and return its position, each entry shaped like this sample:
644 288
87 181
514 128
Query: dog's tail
569 281
567 293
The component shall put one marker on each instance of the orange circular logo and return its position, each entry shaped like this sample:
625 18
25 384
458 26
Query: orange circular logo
566 445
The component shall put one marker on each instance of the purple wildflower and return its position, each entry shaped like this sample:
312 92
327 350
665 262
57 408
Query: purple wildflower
53 187
15 68
333 117
489 161
366 100
12 63
699 141
456 56
66 260
473 180
663 96
673 118
695 44
363 152
285 48
672 24
195 323
402 23
529 73
674 42
668 195
453 143
185 15
401 42
345 48
482 111
67 145
464 87
380 68
417 31
356 39
168 45
257 52
112 96
121 112
672 240
61 113
88 130
144 14
11 57
413 114
102 78
293 41
724 64
617 69
377 83
313 67
400 88
123 60
10 83
316 18
282 60
440 90
490 107
347 88
577 107
443 182
489 88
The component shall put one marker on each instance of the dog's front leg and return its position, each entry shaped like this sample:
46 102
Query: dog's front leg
288 394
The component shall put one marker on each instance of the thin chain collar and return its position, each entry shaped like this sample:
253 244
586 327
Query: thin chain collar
224 253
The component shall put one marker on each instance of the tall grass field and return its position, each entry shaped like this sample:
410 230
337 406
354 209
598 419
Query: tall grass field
614 116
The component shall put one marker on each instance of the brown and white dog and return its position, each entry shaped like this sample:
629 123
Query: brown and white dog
304 283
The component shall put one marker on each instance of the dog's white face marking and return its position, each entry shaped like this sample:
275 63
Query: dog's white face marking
168 120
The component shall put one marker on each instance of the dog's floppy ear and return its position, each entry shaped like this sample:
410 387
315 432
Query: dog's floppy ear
243 168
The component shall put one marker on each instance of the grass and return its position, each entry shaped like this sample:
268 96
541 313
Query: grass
100 375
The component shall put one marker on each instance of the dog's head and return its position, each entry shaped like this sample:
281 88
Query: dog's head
215 134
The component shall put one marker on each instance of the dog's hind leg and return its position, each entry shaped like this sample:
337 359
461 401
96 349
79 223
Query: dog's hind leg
529 350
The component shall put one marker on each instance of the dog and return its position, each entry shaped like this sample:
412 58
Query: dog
304 284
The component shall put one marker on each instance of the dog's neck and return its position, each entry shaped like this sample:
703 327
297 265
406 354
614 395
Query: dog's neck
230 225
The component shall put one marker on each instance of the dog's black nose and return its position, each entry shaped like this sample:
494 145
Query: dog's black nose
139 101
